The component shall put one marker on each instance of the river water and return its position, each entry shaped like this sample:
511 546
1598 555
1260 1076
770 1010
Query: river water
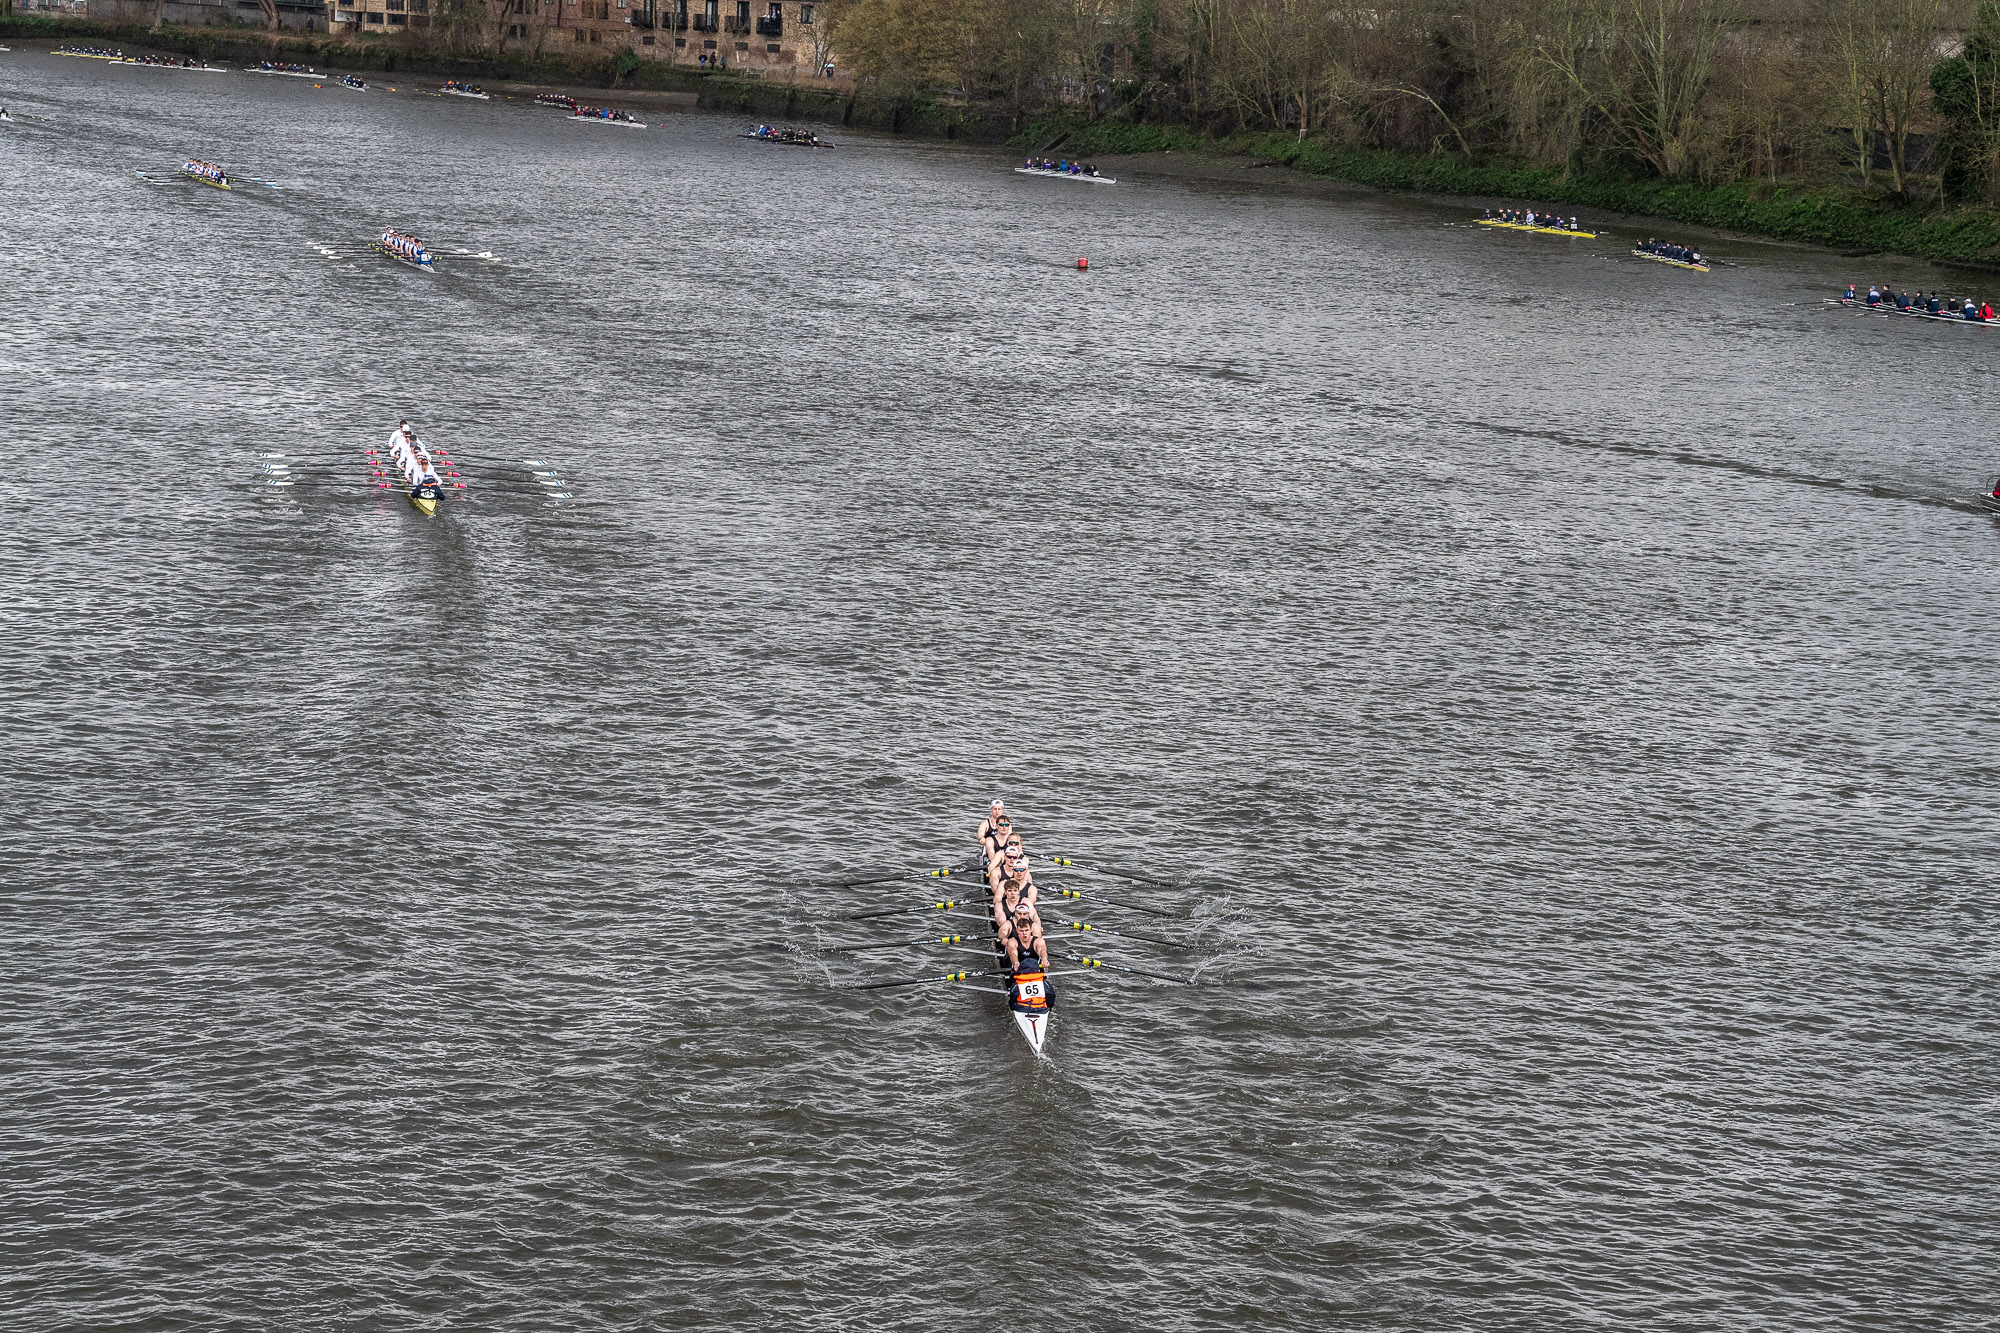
1556 689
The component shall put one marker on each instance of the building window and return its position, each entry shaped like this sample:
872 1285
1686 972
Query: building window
395 6
373 17
420 6
743 46
709 45
773 48
680 41
645 41
805 13
397 19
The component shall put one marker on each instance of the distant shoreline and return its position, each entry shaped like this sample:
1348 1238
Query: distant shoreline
1845 221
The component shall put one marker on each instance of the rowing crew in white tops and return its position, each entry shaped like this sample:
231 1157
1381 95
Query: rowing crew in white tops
411 456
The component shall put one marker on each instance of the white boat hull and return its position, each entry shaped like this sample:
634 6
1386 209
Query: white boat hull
477 97
605 120
284 73
1066 175
1034 1027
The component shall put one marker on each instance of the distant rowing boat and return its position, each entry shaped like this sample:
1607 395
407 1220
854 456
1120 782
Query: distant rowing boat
1672 263
222 184
1065 175
287 73
534 477
184 69
351 83
608 120
1522 226
792 142
427 265
1991 502
1891 308
460 92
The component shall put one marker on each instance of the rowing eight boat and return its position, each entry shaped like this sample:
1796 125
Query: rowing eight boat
1026 989
1891 308
609 120
426 265
1672 263
1522 226
460 92
222 184
185 69
1066 175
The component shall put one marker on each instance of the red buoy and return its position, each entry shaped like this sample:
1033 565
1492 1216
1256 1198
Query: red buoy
1083 263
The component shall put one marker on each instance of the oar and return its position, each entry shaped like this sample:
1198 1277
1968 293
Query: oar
1117 902
1081 926
924 981
913 910
1088 961
1106 870
941 873
894 944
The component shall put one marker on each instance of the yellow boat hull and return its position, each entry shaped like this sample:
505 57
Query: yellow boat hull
1546 231
427 507
220 185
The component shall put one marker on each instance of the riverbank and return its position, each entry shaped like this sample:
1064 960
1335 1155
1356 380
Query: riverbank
1838 219
630 78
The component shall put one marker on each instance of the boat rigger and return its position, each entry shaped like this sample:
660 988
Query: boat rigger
1007 930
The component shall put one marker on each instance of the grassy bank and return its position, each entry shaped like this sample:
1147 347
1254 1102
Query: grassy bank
1840 219
766 98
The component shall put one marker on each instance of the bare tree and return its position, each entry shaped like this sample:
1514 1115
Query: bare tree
1884 51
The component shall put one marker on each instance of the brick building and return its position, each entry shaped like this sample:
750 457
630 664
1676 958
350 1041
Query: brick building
745 34
742 34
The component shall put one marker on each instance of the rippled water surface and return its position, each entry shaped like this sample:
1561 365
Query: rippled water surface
1559 690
